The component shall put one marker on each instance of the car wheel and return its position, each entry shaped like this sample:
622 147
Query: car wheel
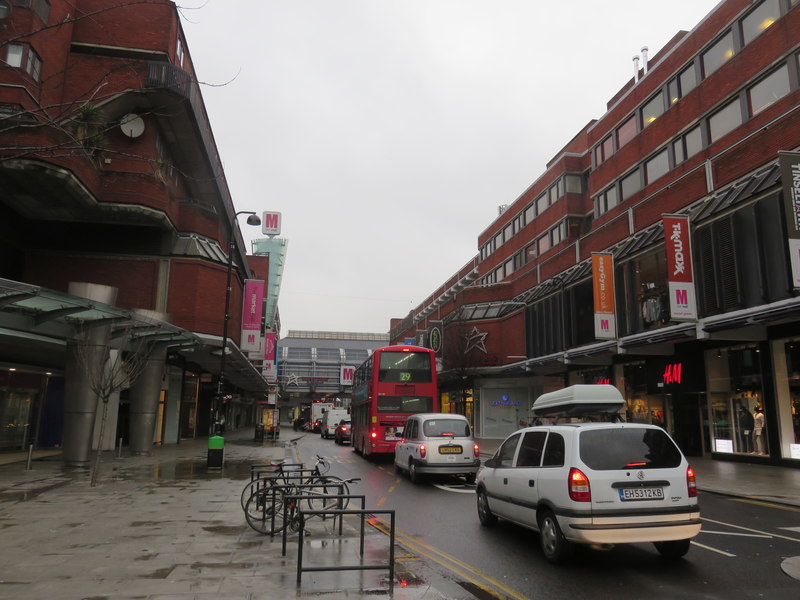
398 469
412 472
486 516
673 550
555 546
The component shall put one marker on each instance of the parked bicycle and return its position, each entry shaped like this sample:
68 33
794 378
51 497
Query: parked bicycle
271 473
269 510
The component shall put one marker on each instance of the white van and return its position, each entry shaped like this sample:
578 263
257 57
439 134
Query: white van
330 420
592 483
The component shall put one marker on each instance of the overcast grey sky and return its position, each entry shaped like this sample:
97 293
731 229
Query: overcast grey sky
388 132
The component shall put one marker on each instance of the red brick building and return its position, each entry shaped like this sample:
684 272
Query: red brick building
701 131
109 174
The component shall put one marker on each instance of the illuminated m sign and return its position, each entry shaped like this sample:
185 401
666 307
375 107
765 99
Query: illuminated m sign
271 223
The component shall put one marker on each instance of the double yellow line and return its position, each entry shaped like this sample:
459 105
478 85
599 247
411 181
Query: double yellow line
468 573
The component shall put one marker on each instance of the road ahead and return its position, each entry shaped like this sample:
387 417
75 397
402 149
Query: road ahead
737 555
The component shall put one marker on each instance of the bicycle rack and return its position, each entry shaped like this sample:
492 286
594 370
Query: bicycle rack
336 497
348 511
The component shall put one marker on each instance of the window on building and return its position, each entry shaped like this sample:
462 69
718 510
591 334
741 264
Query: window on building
552 194
673 91
24 57
497 240
678 151
530 214
693 141
720 53
687 80
630 185
543 244
626 132
508 232
605 201
179 53
764 15
541 204
40 7
656 167
653 109
724 120
531 251
606 149
508 267
573 184
769 90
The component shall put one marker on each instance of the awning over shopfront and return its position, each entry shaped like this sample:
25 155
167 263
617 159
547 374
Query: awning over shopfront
36 322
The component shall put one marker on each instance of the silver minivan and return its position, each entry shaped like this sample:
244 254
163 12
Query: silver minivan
437 444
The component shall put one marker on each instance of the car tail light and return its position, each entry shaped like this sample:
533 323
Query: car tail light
579 489
374 434
476 450
423 451
344 427
691 482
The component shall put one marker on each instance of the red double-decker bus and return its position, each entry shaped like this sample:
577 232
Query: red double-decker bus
393 383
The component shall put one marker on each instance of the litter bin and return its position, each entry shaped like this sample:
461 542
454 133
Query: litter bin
216 450
259 433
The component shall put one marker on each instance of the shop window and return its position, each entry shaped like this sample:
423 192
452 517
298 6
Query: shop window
762 17
626 132
737 416
643 293
724 120
656 167
641 407
793 373
716 56
769 90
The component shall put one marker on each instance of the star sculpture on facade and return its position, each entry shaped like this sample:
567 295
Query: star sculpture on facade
292 379
475 339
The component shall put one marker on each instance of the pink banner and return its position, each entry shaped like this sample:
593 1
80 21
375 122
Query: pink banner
252 309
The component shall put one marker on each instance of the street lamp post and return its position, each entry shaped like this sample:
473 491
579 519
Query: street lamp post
253 219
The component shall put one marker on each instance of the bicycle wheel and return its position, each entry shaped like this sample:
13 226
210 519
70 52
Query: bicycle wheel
263 514
327 491
253 486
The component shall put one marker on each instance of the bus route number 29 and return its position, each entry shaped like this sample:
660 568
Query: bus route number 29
405 376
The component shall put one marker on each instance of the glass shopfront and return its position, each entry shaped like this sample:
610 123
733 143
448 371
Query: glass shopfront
737 416
786 359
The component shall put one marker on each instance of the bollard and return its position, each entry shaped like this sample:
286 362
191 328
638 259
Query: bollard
28 467
119 450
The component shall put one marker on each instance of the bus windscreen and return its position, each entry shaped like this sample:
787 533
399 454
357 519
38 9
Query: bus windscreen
405 367
405 404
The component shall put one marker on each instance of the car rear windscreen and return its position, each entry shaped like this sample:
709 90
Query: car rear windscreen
628 448
444 427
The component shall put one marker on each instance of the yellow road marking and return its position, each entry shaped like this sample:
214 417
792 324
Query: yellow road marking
468 572
381 501
767 504
391 489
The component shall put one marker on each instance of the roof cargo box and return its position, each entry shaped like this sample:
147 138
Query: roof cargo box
579 400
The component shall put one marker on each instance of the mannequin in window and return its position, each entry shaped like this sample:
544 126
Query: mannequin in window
746 424
758 431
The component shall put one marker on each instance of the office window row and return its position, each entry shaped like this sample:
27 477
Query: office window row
744 105
40 7
570 183
536 248
703 65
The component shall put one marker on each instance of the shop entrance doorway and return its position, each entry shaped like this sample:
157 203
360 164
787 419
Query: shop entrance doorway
687 429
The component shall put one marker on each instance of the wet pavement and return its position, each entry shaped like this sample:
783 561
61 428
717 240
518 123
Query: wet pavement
164 527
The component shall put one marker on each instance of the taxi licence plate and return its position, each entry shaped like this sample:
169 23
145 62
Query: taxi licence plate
450 449
650 493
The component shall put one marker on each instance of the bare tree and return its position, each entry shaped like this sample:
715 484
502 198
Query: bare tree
108 374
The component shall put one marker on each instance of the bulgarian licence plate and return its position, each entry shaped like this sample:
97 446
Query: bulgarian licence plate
450 450
650 493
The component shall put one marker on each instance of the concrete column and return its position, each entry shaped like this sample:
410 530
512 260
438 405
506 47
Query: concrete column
144 395
80 403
